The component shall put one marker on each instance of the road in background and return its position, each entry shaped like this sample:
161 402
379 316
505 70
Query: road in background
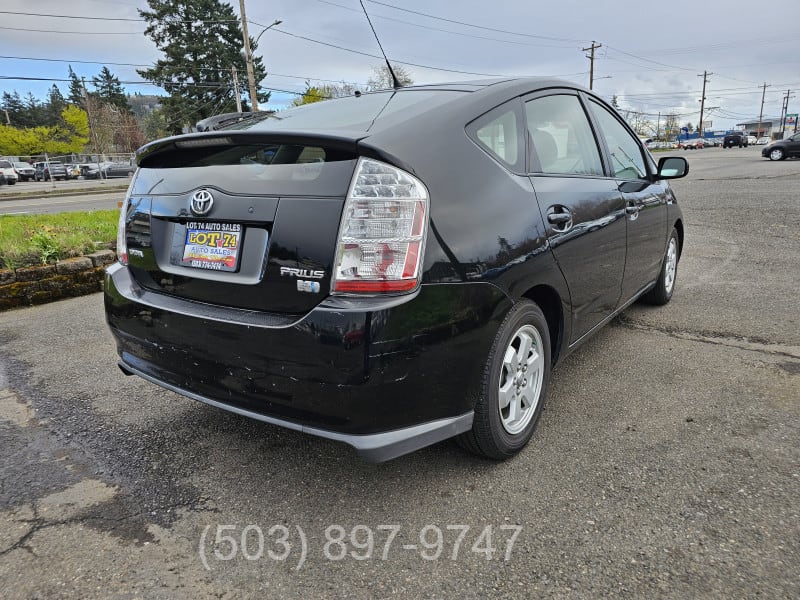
666 463
56 204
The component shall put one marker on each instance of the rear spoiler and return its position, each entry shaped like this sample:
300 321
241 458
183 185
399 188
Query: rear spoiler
172 151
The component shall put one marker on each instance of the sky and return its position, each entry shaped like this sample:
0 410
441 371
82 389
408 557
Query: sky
651 56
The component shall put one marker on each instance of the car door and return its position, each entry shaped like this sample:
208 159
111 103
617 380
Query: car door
645 200
582 208
793 145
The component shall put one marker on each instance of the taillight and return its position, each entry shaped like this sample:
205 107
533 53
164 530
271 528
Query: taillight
122 242
382 234
122 245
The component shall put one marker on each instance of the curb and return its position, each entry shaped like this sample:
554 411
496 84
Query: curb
28 286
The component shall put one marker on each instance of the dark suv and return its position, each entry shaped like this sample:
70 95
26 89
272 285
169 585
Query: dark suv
735 138
49 170
395 268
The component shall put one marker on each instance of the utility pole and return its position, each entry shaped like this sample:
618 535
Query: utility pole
658 126
591 48
784 110
703 100
248 56
236 90
761 113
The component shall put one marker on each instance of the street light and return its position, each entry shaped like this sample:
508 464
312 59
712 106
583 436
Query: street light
277 22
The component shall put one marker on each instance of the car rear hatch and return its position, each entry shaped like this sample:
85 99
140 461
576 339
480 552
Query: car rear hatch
239 219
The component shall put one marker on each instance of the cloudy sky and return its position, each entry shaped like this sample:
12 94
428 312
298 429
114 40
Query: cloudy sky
651 54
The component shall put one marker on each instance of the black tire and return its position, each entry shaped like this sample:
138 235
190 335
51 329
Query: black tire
489 437
662 292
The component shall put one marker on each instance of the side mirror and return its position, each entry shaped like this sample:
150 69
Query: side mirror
672 167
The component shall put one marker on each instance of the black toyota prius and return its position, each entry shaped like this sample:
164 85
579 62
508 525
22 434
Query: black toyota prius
393 268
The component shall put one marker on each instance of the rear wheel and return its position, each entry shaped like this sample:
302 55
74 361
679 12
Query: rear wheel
662 292
776 154
514 385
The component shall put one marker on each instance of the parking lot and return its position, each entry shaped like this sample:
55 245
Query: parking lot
666 463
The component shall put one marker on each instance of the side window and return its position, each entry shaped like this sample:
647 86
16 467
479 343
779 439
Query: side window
560 137
498 133
627 161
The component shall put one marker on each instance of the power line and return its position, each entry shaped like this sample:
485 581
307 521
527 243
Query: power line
140 20
459 33
528 35
75 32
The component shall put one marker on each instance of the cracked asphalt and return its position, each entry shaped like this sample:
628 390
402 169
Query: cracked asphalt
667 463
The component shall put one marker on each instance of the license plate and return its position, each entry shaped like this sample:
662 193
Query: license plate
212 246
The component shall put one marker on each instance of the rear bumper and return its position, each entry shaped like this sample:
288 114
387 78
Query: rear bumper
386 377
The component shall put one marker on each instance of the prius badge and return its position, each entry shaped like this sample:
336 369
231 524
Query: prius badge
201 203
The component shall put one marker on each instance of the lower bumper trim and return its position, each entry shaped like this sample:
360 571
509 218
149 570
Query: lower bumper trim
374 447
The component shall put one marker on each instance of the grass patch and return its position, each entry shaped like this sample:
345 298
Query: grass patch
28 240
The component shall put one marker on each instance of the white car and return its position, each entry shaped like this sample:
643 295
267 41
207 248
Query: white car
751 139
763 140
7 169
25 171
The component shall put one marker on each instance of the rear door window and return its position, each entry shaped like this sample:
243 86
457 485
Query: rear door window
560 137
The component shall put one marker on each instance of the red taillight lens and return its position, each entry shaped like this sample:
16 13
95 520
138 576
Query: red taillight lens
382 235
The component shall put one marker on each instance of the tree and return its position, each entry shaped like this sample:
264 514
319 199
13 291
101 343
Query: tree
54 106
201 41
381 78
312 93
75 88
15 108
69 135
109 90
155 124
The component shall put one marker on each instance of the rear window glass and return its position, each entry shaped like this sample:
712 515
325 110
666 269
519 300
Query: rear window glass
368 112
4 164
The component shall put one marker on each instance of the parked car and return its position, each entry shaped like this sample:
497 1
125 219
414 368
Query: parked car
342 272
785 148
763 140
117 169
73 171
694 144
735 138
7 169
90 170
25 171
49 170
752 140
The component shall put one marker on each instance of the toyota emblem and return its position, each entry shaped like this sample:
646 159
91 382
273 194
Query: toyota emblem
202 201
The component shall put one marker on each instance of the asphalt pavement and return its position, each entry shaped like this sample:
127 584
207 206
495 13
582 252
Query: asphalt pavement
666 463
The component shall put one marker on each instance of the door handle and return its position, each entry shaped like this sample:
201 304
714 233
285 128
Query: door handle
559 218
632 209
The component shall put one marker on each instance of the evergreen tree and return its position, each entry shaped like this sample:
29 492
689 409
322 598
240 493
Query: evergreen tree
34 114
109 90
75 89
13 104
54 106
201 41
